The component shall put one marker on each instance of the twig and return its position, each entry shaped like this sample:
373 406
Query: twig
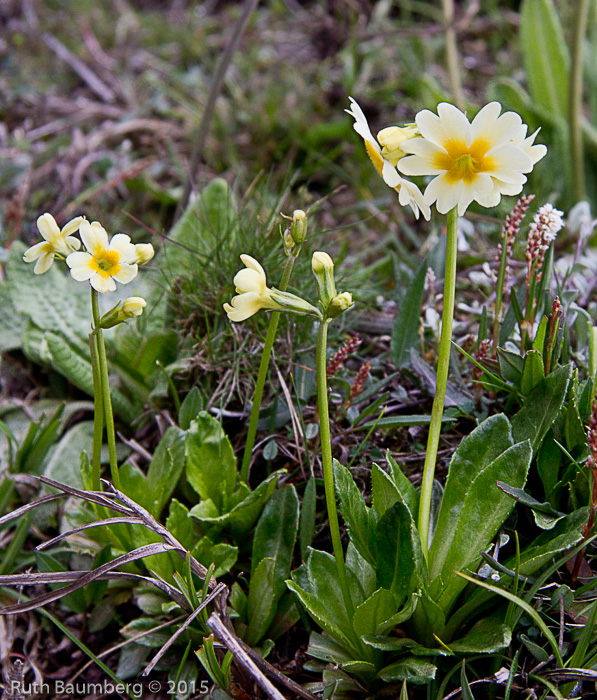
230 641
84 72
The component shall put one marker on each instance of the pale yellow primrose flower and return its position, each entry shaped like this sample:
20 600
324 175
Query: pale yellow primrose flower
477 161
56 242
253 292
123 311
106 262
144 253
385 159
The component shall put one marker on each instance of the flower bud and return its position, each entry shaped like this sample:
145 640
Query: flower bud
144 253
129 308
392 137
298 227
323 269
340 303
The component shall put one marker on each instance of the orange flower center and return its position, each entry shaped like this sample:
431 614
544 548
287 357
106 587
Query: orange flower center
462 162
106 263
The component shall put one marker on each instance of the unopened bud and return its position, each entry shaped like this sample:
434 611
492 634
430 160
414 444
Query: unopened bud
323 269
339 304
392 137
129 308
144 253
298 228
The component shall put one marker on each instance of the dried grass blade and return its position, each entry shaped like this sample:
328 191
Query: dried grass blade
230 641
107 521
29 506
216 591
84 579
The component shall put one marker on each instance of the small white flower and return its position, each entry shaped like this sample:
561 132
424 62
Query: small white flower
253 292
472 161
106 262
56 241
408 193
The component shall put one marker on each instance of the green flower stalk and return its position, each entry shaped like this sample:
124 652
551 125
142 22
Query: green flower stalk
332 306
443 365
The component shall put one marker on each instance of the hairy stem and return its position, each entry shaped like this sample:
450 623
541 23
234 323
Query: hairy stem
452 58
443 365
263 369
105 389
328 468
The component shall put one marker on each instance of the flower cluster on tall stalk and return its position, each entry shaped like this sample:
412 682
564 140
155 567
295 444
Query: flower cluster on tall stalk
468 161
103 263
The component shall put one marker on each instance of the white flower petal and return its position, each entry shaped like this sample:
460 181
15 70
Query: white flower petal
390 175
126 273
252 264
492 128
103 284
450 125
424 161
72 242
36 251
243 306
72 226
249 280
80 266
48 227
121 243
94 236
43 264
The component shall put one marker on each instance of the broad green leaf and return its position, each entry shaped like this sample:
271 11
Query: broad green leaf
474 454
383 490
180 524
483 512
133 485
405 333
410 669
533 371
165 468
308 513
211 464
223 555
360 520
363 572
243 515
77 369
53 301
486 637
262 599
549 457
545 57
511 365
275 536
539 340
400 563
408 493
190 408
327 649
371 615
64 462
205 222
12 322
542 407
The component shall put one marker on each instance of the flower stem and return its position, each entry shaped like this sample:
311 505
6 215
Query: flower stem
105 389
328 468
575 100
98 412
443 365
263 368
